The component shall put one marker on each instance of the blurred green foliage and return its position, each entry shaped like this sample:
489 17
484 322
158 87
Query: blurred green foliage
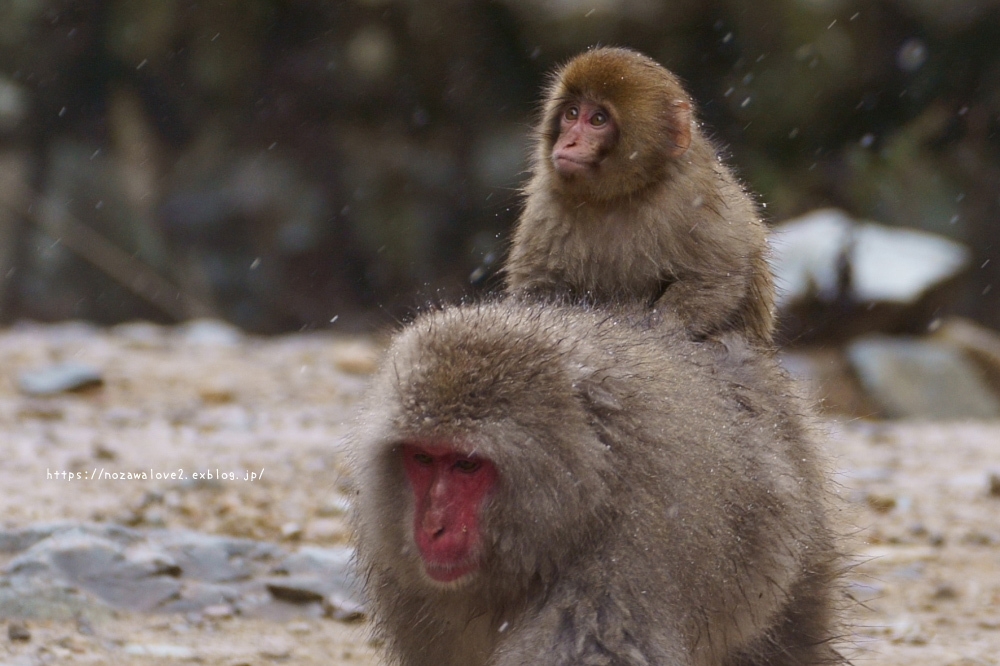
282 162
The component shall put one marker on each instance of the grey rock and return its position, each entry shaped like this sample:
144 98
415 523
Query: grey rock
297 589
210 332
59 378
43 597
980 344
196 596
343 609
332 566
62 570
882 264
917 378
899 265
135 579
218 559
217 611
142 334
275 648
17 540
20 539
805 255
326 574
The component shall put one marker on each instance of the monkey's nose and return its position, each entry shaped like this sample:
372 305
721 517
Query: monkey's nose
433 525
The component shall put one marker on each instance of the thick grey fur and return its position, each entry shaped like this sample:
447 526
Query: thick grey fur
659 500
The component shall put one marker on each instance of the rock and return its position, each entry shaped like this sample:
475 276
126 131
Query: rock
297 589
164 650
343 609
43 598
839 278
20 539
215 392
325 530
355 358
84 627
831 382
59 378
883 263
17 540
291 531
134 579
994 485
899 265
299 627
275 648
333 566
141 334
979 343
218 559
917 378
197 596
18 632
210 332
41 409
977 537
880 503
333 505
907 630
806 254
64 570
944 592
101 451
319 574
218 612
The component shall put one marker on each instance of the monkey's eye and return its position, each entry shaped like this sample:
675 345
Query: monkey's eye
466 465
571 113
599 119
423 458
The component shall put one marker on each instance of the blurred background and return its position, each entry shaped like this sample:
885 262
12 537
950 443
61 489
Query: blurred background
290 165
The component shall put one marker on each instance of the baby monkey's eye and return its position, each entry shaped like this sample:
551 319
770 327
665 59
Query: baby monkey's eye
598 119
423 458
571 113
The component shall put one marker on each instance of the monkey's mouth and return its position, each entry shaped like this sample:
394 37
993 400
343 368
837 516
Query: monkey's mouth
451 572
568 166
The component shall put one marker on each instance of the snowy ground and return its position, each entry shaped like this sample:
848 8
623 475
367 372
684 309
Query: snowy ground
918 513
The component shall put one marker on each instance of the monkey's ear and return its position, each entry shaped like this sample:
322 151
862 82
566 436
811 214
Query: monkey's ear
680 130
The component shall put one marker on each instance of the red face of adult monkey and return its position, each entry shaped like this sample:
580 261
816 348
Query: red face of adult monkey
629 203
548 485
449 489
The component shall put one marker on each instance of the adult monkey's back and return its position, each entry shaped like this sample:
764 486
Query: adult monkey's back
544 485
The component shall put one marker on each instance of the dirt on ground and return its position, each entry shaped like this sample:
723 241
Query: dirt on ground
919 502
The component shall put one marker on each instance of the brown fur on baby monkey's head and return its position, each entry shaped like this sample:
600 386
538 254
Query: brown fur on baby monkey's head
629 202
614 122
